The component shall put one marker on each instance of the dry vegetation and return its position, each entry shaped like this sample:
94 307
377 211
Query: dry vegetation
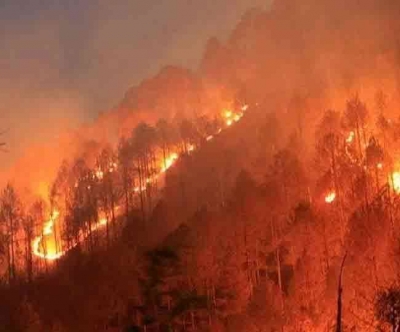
232 194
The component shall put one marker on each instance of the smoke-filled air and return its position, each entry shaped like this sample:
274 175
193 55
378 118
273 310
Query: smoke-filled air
251 184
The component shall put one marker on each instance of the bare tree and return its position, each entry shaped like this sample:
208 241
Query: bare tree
10 215
28 226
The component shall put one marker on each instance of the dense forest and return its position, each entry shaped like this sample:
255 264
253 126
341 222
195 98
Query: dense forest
257 193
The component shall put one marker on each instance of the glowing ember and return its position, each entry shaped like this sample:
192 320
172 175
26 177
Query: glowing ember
330 197
99 174
379 166
237 117
138 189
227 114
231 117
245 108
396 182
209 138
191 147
350 138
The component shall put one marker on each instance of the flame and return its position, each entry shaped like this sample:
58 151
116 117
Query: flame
53 253
228 114
47 230
350 138
169 161
330 197
231 117
99 174
396 182
48 227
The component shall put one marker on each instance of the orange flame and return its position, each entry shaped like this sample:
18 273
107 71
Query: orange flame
47 230
169 161
230 118
395 179
330 197
350 138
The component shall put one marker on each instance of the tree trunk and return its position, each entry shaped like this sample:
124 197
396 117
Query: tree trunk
278 264
339 301
12 248
141 192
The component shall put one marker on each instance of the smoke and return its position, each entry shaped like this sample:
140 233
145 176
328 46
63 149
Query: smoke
62 63
323 52
56 76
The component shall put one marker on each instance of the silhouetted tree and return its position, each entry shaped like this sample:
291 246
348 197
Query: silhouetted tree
10 219
144 139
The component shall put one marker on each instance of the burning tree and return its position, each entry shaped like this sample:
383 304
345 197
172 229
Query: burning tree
126 172
356 115
106 186
144 139
374 158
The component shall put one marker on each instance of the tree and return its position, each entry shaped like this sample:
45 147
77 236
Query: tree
339 300
143 141
28 226
126 172
60 193
82 208
37 213
381 101
244 194
288 172
356 115
189 134
106 172
27 319
10 218
270 134
374 156
387 307
162 128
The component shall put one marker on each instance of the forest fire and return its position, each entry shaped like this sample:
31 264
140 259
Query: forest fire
139 210
44 248
330 197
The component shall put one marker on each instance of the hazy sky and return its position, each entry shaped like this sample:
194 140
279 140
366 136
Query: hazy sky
62 61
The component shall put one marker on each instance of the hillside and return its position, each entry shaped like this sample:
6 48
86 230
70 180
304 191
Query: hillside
225 199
